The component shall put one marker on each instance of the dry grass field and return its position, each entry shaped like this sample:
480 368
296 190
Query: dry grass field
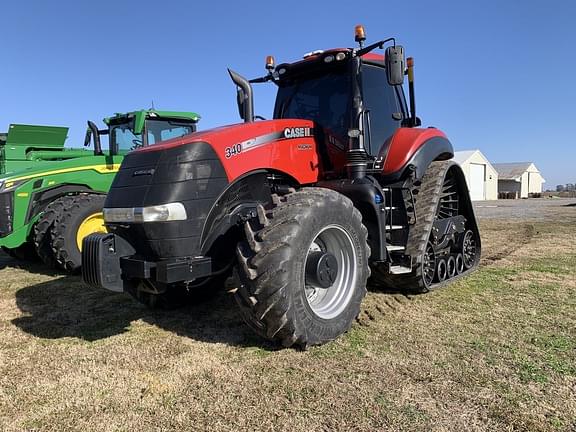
493 352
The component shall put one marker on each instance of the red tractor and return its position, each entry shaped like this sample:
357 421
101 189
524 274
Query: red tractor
341 186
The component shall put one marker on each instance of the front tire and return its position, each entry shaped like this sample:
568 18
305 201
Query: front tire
80 216
303 268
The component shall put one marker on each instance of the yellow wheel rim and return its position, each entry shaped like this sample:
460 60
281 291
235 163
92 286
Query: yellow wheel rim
92 224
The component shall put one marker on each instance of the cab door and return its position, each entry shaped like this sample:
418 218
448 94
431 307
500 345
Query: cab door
383 103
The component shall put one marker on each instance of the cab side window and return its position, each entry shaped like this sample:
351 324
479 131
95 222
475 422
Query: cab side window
381 100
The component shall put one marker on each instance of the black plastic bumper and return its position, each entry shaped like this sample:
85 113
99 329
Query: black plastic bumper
109 261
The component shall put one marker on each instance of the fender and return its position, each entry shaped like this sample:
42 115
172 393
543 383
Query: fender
238 202
412 149
39 200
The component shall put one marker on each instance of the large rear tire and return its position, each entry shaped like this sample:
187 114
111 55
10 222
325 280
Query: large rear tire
303 268
81 215
43 233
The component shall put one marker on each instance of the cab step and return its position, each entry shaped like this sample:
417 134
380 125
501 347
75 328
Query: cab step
395 227
397 269
395 248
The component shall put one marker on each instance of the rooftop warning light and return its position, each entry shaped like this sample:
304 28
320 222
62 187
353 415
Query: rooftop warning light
359 34
270 64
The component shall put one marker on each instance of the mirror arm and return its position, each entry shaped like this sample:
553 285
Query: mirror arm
410 73
373 46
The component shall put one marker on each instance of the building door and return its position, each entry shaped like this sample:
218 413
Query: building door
477 181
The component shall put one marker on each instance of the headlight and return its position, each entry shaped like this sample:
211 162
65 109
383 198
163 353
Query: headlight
7 184
158 213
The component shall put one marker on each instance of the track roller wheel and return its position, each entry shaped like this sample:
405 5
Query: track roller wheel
303 268
469 249
451 267
441 270
429 265
459 263
80 215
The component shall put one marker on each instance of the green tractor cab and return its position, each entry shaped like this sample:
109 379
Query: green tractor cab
46 210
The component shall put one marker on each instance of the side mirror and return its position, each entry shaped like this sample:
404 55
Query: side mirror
395 65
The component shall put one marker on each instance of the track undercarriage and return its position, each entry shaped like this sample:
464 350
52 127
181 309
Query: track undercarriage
433 236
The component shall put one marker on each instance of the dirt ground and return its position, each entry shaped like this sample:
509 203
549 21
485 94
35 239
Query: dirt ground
495 351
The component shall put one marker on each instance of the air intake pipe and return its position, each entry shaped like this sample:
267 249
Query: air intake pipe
356 157
244 96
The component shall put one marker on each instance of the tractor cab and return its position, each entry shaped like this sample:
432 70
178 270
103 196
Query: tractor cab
142 128
321 88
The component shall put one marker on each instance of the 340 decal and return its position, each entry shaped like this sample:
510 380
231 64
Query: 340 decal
234 150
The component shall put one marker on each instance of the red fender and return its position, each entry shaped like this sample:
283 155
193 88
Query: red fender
403 146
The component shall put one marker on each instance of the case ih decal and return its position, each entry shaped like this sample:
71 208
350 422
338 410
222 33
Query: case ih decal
262 140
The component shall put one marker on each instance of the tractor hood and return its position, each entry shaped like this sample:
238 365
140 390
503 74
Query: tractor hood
245 147
96 163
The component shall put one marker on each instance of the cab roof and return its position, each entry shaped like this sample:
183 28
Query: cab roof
140 117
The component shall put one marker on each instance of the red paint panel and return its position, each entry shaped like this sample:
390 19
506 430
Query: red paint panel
373 57
296 157
405 142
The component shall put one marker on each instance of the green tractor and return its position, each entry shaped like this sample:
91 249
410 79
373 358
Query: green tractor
24 146
46 210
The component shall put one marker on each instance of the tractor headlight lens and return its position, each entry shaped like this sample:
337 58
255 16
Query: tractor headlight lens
6 185
157 213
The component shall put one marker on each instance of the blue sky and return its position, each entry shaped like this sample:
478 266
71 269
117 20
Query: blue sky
494 75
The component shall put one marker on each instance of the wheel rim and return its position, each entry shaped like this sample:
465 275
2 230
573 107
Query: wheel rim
92 224
469 249
429 264
328 303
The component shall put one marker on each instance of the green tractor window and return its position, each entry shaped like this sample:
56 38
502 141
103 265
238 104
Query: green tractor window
162 130
124 139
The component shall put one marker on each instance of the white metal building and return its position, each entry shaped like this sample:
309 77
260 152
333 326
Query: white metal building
481 177
521 179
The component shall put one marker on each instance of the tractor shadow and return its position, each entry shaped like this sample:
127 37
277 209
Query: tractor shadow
65 307
7 261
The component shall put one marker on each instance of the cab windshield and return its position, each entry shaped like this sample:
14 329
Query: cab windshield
324 99
124 140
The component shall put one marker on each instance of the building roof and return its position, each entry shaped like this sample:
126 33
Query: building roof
511 171
462 156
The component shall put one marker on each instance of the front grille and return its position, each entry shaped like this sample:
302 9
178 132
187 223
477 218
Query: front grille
191 174
6 213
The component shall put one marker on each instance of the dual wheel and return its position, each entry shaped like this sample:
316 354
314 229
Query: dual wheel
59 232
303 268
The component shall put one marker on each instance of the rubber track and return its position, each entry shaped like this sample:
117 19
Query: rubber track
426 202
43 232
262 279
